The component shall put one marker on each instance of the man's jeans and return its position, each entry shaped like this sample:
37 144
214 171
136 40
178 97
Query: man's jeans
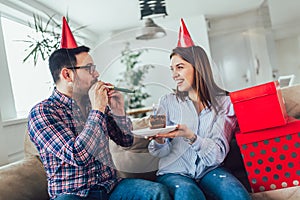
216 184
93 195
134 189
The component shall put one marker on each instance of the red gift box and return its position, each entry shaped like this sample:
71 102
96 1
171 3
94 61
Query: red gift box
272 156
259 107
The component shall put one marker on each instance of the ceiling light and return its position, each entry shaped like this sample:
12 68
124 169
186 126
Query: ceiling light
152 7
151 31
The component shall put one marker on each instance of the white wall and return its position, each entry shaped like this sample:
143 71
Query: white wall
6 95
11 141
288 55
260 56
232 55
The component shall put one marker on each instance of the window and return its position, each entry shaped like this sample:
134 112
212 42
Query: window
30 84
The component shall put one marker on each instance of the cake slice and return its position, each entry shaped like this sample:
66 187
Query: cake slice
157 121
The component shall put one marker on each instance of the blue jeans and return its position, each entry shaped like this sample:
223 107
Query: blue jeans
93 195
139 189
127 189
216 184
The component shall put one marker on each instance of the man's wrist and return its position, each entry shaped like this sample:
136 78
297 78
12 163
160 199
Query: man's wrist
118 113
101 109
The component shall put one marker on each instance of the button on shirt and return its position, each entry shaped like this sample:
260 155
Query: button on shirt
214 131
74 149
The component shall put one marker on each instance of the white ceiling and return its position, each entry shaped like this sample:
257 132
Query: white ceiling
284 12
112 16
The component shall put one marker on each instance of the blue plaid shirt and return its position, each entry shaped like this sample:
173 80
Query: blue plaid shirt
75 150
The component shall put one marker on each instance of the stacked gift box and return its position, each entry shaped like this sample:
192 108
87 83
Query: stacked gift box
269 140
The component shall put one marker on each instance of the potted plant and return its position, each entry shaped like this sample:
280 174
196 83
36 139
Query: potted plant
133 77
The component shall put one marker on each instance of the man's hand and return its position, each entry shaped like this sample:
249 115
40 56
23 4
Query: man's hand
98 96
116 102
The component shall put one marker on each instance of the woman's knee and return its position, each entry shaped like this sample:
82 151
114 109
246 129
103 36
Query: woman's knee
187 191
140 189
229 187
161 191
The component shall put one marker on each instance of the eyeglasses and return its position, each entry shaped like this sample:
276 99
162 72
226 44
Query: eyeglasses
90 68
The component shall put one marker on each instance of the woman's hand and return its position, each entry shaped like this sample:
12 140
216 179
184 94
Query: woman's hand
181 131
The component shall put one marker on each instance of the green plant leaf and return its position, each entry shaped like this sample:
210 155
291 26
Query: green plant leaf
47 40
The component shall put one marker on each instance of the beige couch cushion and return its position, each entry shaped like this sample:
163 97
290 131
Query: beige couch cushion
29 147
291 97
23 180
135 161
291 193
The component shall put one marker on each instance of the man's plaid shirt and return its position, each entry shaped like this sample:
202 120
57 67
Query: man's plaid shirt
74 150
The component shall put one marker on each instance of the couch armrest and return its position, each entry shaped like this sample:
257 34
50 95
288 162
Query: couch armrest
291 193
291 97
23 180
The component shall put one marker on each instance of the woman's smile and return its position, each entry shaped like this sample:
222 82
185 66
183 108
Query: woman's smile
179 82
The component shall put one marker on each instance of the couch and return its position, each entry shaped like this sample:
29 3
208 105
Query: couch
26 179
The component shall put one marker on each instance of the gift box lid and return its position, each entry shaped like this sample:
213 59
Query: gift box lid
292 126
254 92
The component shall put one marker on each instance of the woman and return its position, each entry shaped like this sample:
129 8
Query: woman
191 156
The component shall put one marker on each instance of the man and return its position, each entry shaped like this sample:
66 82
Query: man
71 130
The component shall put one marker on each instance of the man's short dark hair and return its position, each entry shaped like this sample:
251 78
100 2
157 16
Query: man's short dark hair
61 58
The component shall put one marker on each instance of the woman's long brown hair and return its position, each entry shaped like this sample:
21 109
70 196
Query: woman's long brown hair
204 82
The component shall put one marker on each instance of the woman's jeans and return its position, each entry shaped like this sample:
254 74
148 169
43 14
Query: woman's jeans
216 184
133 189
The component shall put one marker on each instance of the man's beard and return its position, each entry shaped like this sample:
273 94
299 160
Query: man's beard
83 92
93 82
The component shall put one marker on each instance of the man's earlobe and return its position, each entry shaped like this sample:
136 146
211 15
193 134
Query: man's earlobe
70 84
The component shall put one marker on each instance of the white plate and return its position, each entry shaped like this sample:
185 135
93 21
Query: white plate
151 132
